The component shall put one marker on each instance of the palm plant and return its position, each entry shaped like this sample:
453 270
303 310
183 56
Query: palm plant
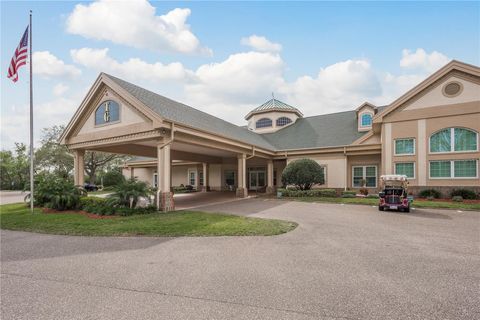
127 193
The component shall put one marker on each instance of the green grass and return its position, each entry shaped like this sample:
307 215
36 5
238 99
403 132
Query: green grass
374 202
179 223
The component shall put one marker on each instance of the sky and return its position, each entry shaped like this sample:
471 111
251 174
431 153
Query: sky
226 58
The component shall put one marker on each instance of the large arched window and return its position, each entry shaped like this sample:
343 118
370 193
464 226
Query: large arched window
263 123
107 112
282 121
366 120
454 139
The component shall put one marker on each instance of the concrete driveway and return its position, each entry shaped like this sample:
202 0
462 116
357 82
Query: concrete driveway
342 262
7 197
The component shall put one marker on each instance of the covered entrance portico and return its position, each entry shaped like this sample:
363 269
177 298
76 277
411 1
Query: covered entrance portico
170 147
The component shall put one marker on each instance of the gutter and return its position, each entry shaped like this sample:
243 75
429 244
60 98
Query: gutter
253 153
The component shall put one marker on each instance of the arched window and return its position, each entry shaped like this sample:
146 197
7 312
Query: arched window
454 139
263 123
283 121
107 112
366 120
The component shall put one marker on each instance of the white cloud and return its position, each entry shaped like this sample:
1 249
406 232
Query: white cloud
262 44
340 86
422 60
133 68
59 89
49 66
135 24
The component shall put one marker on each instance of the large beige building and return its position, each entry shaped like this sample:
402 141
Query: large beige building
430 134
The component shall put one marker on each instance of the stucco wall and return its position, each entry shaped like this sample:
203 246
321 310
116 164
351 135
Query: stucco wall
273 116
335 166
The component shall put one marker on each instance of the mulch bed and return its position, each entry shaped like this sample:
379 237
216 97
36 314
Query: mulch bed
81 212
448 200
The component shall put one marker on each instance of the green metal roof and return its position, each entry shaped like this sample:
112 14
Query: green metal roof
273 105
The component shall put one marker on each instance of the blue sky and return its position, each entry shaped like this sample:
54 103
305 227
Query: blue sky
319 56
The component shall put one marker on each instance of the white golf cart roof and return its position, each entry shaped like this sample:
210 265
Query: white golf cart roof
393 177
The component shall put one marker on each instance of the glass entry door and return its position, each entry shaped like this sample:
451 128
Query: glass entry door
256 179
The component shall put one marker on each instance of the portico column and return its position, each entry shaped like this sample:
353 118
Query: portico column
242 191
79 167
205 186
164 194
270 188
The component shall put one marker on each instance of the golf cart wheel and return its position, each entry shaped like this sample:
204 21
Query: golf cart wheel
407 209
380 208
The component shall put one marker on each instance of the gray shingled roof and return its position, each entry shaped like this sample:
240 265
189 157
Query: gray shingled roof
181 113
328 130
273 104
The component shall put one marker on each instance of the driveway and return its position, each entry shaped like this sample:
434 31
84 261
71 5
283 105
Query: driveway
7 197
342 262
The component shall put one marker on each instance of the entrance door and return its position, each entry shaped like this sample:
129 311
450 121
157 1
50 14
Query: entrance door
256 179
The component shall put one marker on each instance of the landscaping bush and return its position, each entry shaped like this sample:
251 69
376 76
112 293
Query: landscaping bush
113 178
373 196
100 206
56 193
348 195
429 193
457 199
303 174
127 193
464 193
308 193
349 192
364 191
131 211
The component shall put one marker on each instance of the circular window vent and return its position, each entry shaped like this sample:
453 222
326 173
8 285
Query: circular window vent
452 89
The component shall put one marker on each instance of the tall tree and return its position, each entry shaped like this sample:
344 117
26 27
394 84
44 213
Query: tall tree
52 156
14 168
100 161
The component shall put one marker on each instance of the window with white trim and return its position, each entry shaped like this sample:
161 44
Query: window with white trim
364 176
404 146
454 140
282 121
263 123
366 120
405 168
192 178
449 169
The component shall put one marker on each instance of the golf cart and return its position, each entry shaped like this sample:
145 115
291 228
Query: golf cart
394 195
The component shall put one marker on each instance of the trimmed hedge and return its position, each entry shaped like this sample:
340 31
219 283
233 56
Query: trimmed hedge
104 207
464 193
308 193
349 192
426 193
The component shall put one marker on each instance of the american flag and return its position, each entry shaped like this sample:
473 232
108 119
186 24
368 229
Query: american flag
19 58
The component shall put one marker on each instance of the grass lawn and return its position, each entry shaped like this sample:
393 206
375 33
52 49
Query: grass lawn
181 223
374 202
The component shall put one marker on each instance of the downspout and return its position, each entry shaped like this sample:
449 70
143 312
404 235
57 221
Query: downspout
253 154
346 168
172 130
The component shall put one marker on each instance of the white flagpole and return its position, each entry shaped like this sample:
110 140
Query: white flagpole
31 115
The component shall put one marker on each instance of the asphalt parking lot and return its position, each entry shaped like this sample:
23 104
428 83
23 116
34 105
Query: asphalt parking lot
342 262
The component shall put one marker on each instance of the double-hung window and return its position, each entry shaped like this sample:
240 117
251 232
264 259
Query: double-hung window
405 168
454 140
364 176
448 169
404 147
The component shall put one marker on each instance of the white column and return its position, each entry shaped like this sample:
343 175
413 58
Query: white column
205 186
164 166
242 180
167 169
270 187
422 153
79 167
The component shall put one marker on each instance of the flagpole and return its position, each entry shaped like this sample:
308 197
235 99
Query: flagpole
31 115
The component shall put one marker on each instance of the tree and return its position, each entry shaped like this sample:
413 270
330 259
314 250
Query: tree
303 173
112 177
15 168
53 157
95 161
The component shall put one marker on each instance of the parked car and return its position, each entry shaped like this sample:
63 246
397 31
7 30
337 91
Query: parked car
394 195
90 187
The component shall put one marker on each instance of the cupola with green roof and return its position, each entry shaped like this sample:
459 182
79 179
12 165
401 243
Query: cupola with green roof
271 116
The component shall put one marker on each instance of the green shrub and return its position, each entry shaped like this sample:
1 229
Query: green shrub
354 193
303 174
429 193
113 178
122 211
100 206
127 193
457 198
56 193
464 193
308 193
348 195
373 196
